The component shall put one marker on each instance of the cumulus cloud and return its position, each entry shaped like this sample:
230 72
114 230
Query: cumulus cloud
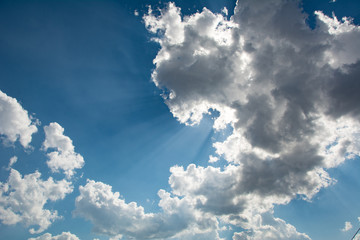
288 91
22 200
62 236
290 95
64 158
112 216
270 228
15 122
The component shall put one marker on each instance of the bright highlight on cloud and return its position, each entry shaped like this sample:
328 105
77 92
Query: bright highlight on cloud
289 92
15 122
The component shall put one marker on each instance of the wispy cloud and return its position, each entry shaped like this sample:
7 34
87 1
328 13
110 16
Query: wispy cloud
62 236
348 226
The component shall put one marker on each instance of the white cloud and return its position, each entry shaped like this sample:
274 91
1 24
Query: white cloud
225 11
64 158
22 200
112 216
12 161
15 123
347 227
343 49
171 21
213 159
268 227
62 236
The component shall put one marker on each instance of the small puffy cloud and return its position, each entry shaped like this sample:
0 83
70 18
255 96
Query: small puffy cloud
64 158
22 200
225 11
347 227
62 236
213 159
15 122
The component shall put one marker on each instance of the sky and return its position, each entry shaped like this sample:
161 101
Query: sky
206 119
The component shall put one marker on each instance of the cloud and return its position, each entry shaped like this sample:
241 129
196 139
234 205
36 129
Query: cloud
22 200
12 161
62 236
291 91
213 159
289 94
112 216
64 158
270 228
348 226
15 123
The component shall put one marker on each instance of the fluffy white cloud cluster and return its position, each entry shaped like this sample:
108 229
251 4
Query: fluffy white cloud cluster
64 158
290 94
22 199
15 122
62 236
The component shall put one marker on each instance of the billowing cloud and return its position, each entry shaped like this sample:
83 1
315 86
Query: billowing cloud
62 236
290 95
64 158
288 91
15 122
22 200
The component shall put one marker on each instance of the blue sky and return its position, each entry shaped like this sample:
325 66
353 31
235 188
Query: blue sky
100 97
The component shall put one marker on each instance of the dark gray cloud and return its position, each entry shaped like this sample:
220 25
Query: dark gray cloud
344 90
